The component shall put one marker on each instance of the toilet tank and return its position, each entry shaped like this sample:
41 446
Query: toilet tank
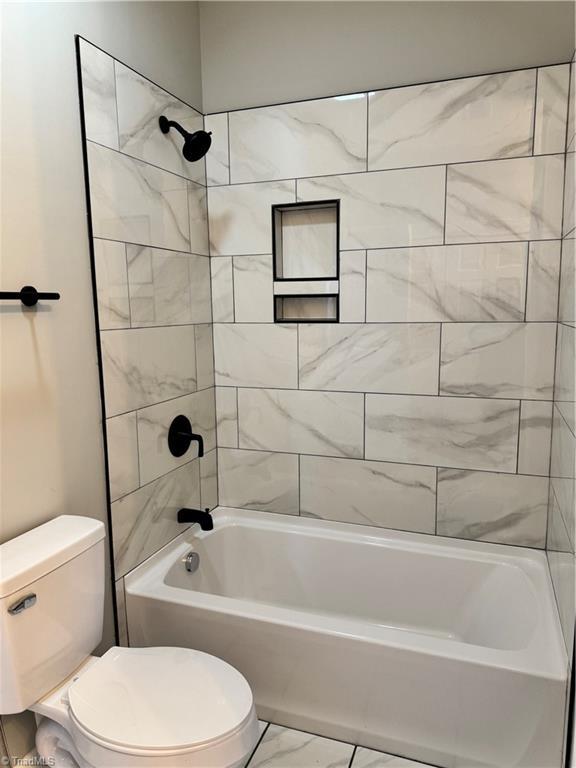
51 606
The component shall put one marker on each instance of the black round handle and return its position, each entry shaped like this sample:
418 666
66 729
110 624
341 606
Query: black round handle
179 436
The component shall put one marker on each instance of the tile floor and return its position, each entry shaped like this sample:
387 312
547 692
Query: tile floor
285 748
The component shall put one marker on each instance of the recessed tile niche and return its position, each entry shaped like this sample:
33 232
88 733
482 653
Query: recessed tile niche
305 243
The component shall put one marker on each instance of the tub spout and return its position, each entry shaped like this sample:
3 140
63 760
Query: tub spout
203 518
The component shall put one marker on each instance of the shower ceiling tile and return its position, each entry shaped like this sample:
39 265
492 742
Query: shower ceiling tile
322 423
353 287
258 480
98 95
352 491
306 138
534 442
137 203
460 432
227 417
111 284
384 209
505 200
475 118
217 159
142 366
253 289
222 290
140 104
397 357
551 109
256 355
122 454
485 506
543 279
514 360
454 282
240 220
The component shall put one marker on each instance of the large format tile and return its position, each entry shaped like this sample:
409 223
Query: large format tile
167 287
98 95
111 284
369 493
144 521
396 357
447 282
567 300
474 118
322 423
563 471
564 384
551 109
535 435
136 202
560 552
204 356
571 131
353 287
227 417
256 355
570 194
543 280
284 748
456 432
258 480
253 298
222 282
369 758
504 200
198 217
240 216
154 423
486 506
217 159
306 138
498 360
140 104
122 442
142 366
384 209
209 480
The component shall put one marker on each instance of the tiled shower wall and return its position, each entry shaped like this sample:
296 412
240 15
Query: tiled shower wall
149 222
428 407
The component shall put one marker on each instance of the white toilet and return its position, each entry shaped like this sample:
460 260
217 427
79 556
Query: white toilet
141 707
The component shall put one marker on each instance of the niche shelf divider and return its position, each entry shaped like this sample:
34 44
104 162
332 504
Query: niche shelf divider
306 261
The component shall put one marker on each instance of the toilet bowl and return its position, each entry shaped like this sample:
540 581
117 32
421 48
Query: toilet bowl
130 708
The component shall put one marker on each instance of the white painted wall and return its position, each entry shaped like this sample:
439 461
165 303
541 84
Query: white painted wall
256 53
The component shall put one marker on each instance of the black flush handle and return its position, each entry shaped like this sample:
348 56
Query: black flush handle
29 296
180 435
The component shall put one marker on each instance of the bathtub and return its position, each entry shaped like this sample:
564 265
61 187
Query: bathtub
439 650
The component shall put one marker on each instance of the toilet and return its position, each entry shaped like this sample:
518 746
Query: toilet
141 707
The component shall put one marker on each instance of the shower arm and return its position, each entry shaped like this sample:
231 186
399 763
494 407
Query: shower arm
166 124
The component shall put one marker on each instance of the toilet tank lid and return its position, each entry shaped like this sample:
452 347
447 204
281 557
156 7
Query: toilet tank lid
32 555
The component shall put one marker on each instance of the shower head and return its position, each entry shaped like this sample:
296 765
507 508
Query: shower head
195 144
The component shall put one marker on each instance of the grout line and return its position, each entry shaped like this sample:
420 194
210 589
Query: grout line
229 152
518 437
535 109
367 130
352 756
299 486
436 505
440 359
237 421
445 206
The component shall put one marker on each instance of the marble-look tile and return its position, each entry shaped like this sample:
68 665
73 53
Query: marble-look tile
227 417
384 209
306 138
571 130
564 385
569 194
504 200
121 614
209 480
258 480
140 104
240 218
144 521
142 366
253 301
222 290
535 435
369 493
198 217
167 287
154 423
285 748
98 95
478 282
460 432
369 758
256 355
474 118
122 454
563 471
353 287
399 358
543 280
307 241
321 423
111 284
567 300
136 202
551 109
204 356
561 562
486 506
217 159
513 360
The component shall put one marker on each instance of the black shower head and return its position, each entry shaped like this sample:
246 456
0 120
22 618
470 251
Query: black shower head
195 144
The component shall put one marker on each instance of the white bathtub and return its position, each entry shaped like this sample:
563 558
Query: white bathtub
439 650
